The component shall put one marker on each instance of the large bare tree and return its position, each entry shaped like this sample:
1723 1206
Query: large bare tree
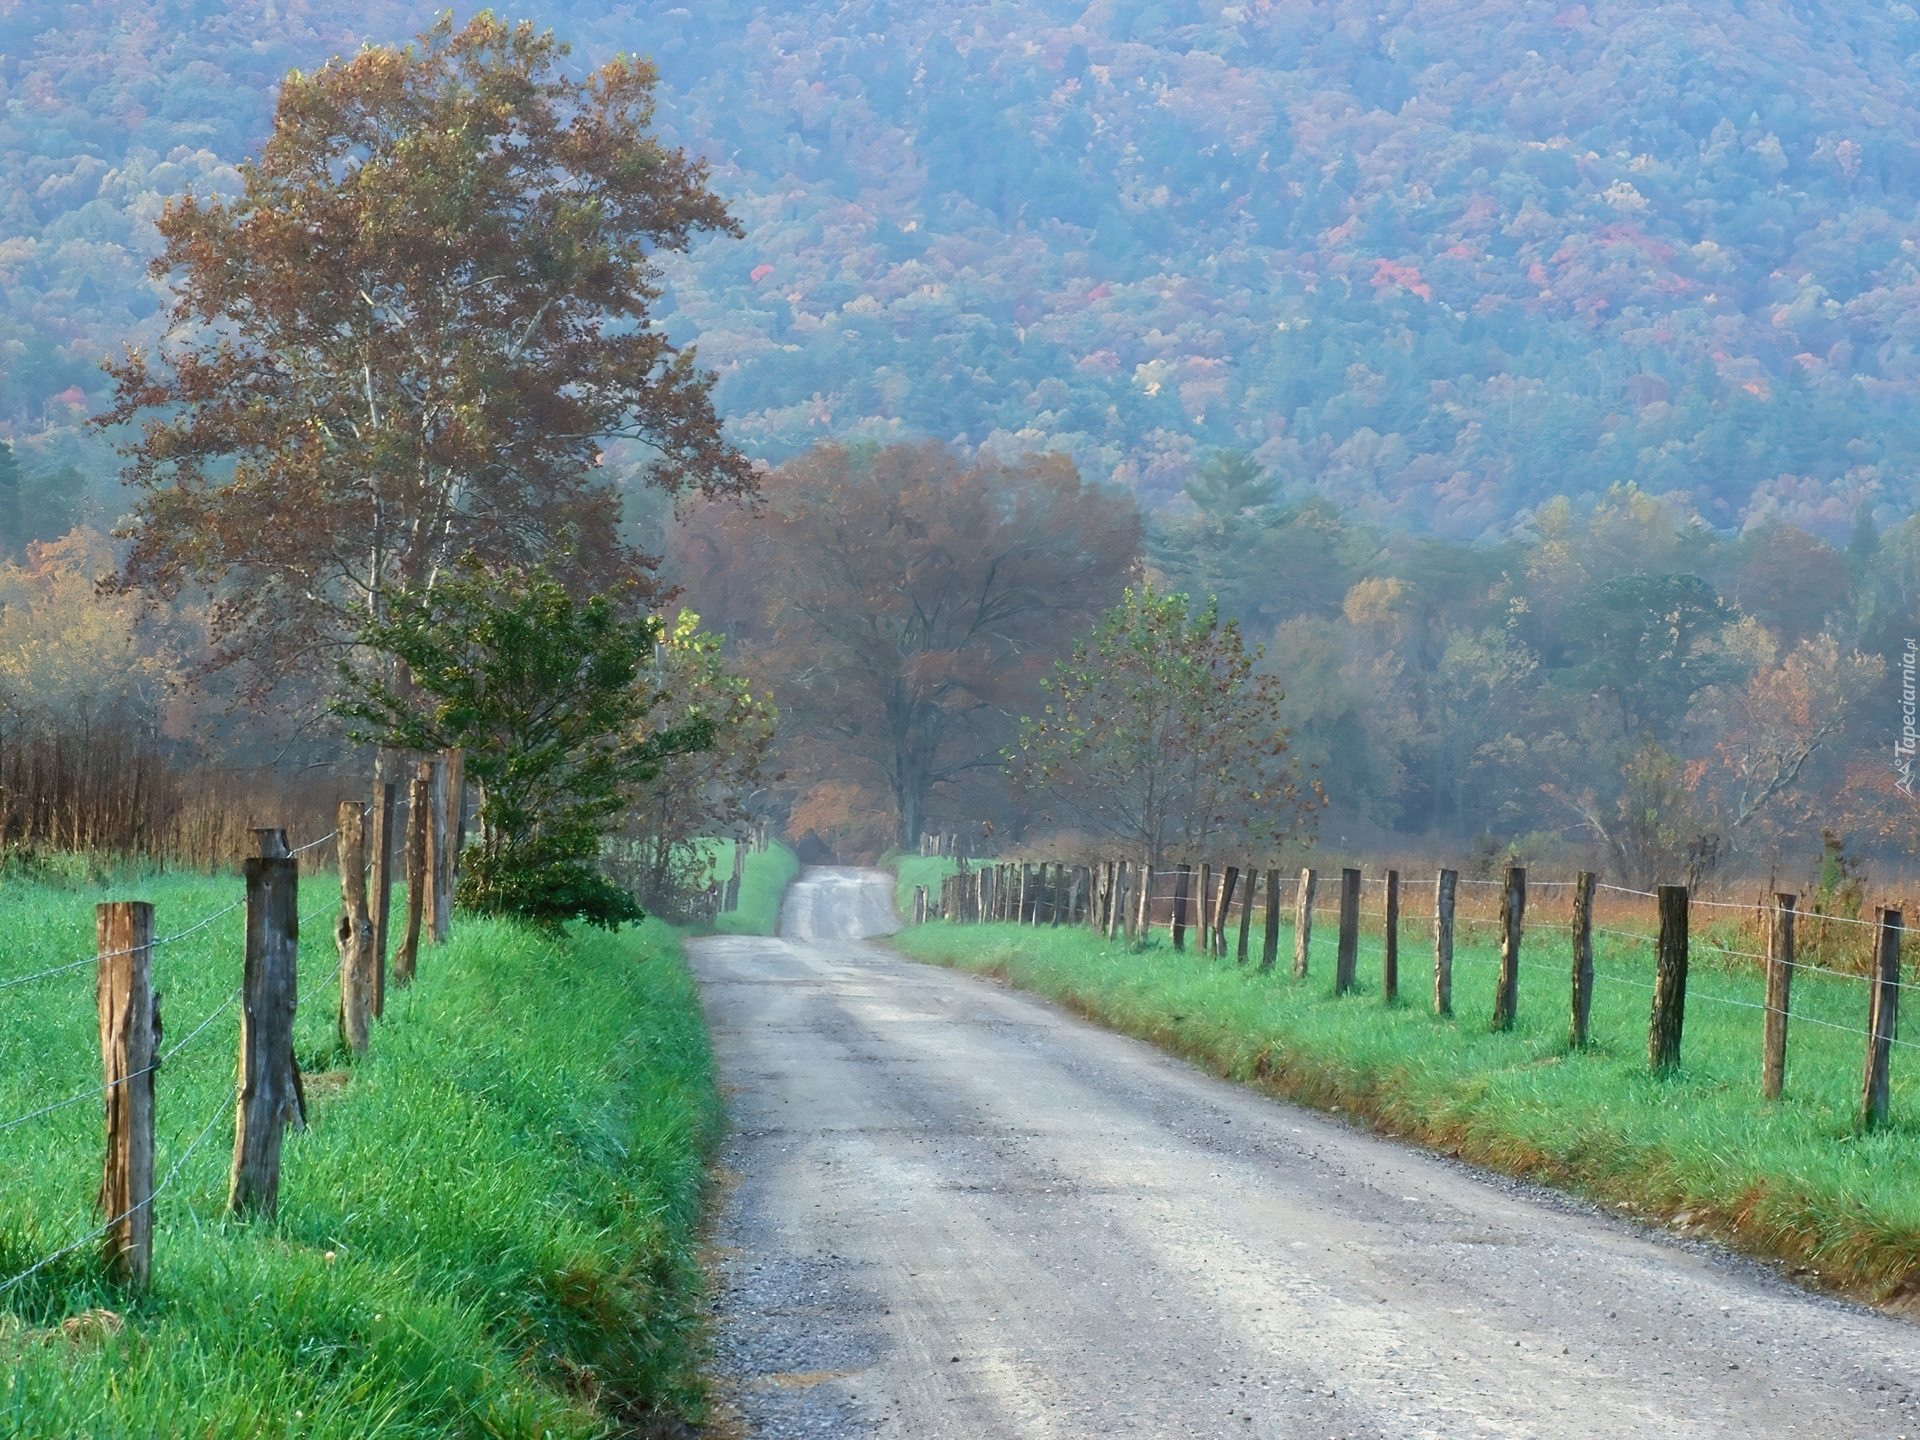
905 604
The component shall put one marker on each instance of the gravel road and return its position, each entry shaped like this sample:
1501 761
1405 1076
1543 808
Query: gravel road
959 1211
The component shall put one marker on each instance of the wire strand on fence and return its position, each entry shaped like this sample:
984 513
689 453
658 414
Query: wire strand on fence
323 839
106 1225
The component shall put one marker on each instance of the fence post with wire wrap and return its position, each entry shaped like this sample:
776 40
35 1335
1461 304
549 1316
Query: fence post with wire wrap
270 1094
1246 918
1513 910
419 827
129 1051
1445 886
1773 1050
1669 981
1883 1019
1177 925
381 882
1303 923
1390 956
1582 959
1270 932
1347 954
353 934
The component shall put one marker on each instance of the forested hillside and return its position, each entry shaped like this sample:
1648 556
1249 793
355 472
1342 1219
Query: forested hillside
1436 263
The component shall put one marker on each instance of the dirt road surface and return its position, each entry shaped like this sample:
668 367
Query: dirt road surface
961 1212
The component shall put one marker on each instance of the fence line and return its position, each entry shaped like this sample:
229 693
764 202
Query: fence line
128 1053
1123 895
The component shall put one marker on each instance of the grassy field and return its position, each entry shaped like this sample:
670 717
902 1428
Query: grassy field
912 870
486 1229
1793 1181
764 881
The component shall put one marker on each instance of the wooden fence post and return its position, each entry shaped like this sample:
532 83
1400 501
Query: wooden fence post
1142 921
1445 885
1513 909
1246 917
1883 1019
920 904
129 1051
1773 1049
419 832
1183 877
1583 883
270 1095
1390 966
381 882
1303 923
1270 932
439 852
1228 883
353 933
457 828
1669 981
1347 954
1206 909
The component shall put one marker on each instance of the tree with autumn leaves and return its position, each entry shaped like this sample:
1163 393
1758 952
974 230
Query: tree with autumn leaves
1160 734
405 345
411 338
905 604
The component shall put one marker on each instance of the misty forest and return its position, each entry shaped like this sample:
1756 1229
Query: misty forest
1531 391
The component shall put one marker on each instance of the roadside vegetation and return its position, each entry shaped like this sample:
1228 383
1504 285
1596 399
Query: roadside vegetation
762 887
1791 1181
912 870
486 1229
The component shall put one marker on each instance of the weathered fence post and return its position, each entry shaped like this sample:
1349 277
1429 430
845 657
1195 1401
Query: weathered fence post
1513 909
1246 917
1669 980
1117 906
129 1052
1177 924
1029 899
419 835
1303 923
353 933
457 828
1883 1019
1270 932
270 1097
439 895
1206 909
1347 953
1228 884
920 904
381 882
1390 965
1445 884
1773 1049
1143 920
1582 958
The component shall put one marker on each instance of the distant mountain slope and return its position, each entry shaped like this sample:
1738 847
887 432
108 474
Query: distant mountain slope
1437 262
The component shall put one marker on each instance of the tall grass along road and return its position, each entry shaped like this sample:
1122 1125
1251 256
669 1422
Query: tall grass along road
963 1212
486 1228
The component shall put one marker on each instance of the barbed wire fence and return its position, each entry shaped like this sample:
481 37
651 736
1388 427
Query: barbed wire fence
142 1077
1211 910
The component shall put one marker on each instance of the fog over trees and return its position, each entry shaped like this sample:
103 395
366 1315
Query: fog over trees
1532 387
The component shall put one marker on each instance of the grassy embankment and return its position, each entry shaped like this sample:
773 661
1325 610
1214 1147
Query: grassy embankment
765 880
487 1228
912 870
1792 1181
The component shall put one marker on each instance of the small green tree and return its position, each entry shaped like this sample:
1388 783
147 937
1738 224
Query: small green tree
546 698
1162 735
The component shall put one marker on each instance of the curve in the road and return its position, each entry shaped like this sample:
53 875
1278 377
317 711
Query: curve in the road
961 1212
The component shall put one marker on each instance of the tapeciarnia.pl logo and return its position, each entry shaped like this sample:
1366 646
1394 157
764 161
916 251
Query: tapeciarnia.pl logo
1903 749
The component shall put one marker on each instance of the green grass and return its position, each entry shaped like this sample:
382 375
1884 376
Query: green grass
912 870
486 1229
762 885
1793 1181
